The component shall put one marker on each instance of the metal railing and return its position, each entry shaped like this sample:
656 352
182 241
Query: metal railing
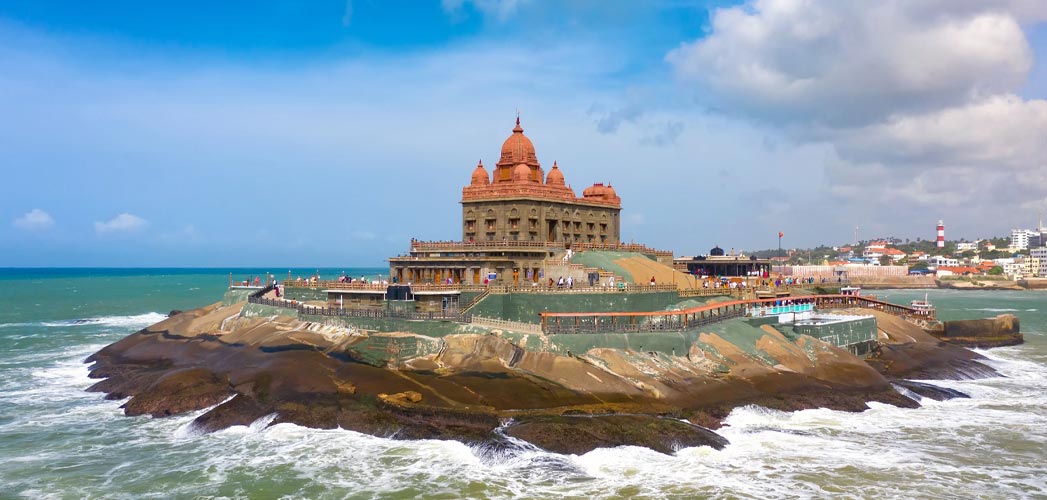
610 322
261 293
708 292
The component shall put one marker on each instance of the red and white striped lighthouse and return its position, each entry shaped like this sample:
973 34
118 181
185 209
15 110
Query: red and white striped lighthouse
941 234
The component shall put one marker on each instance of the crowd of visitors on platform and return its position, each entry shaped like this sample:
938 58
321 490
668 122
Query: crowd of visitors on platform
780 281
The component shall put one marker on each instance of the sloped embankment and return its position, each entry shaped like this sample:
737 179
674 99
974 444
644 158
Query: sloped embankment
635 268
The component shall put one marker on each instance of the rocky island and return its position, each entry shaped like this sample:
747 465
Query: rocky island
539 325
486 384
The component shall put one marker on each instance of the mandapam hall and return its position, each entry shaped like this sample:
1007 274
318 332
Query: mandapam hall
519 201
515 219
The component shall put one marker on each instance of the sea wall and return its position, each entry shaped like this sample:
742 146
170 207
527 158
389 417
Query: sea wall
1033 283
303 294
977 283
526 307
858 336
235 295
263 311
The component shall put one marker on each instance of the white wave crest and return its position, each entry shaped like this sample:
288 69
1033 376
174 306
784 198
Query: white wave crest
137 320
15 325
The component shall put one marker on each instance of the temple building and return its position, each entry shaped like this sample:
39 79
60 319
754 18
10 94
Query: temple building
515 220
521 202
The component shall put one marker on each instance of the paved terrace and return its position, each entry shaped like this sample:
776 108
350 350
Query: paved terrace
606 322
466 287
695 317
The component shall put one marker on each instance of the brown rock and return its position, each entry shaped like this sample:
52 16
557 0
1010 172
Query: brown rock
582 434
1003 330
179 391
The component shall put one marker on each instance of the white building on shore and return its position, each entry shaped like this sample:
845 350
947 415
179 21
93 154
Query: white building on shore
1016 269
940 261
1038 262
1022 239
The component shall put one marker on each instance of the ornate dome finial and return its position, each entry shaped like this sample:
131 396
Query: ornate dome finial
480 176
517 149
555 176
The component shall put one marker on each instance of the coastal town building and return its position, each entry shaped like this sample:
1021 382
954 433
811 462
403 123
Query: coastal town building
956 270
895 254
1038 262
941 261
874 250
1016 268
1022 239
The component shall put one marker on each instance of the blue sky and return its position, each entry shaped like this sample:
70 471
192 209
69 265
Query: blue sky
330 133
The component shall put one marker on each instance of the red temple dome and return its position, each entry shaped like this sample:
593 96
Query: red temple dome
480 177
555 177
594 191
522 173
518 148
609 192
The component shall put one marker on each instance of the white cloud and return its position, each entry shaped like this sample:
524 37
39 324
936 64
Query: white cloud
917 98
853 63
120 223
1001 132
34 220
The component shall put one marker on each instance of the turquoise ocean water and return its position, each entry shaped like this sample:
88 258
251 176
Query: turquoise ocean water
57 441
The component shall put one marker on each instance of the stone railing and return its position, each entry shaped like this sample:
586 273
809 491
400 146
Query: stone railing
360 313
519 326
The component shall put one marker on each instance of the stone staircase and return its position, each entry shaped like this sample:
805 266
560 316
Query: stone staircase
554 268
476 300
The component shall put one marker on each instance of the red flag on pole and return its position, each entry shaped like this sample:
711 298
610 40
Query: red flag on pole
780 234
